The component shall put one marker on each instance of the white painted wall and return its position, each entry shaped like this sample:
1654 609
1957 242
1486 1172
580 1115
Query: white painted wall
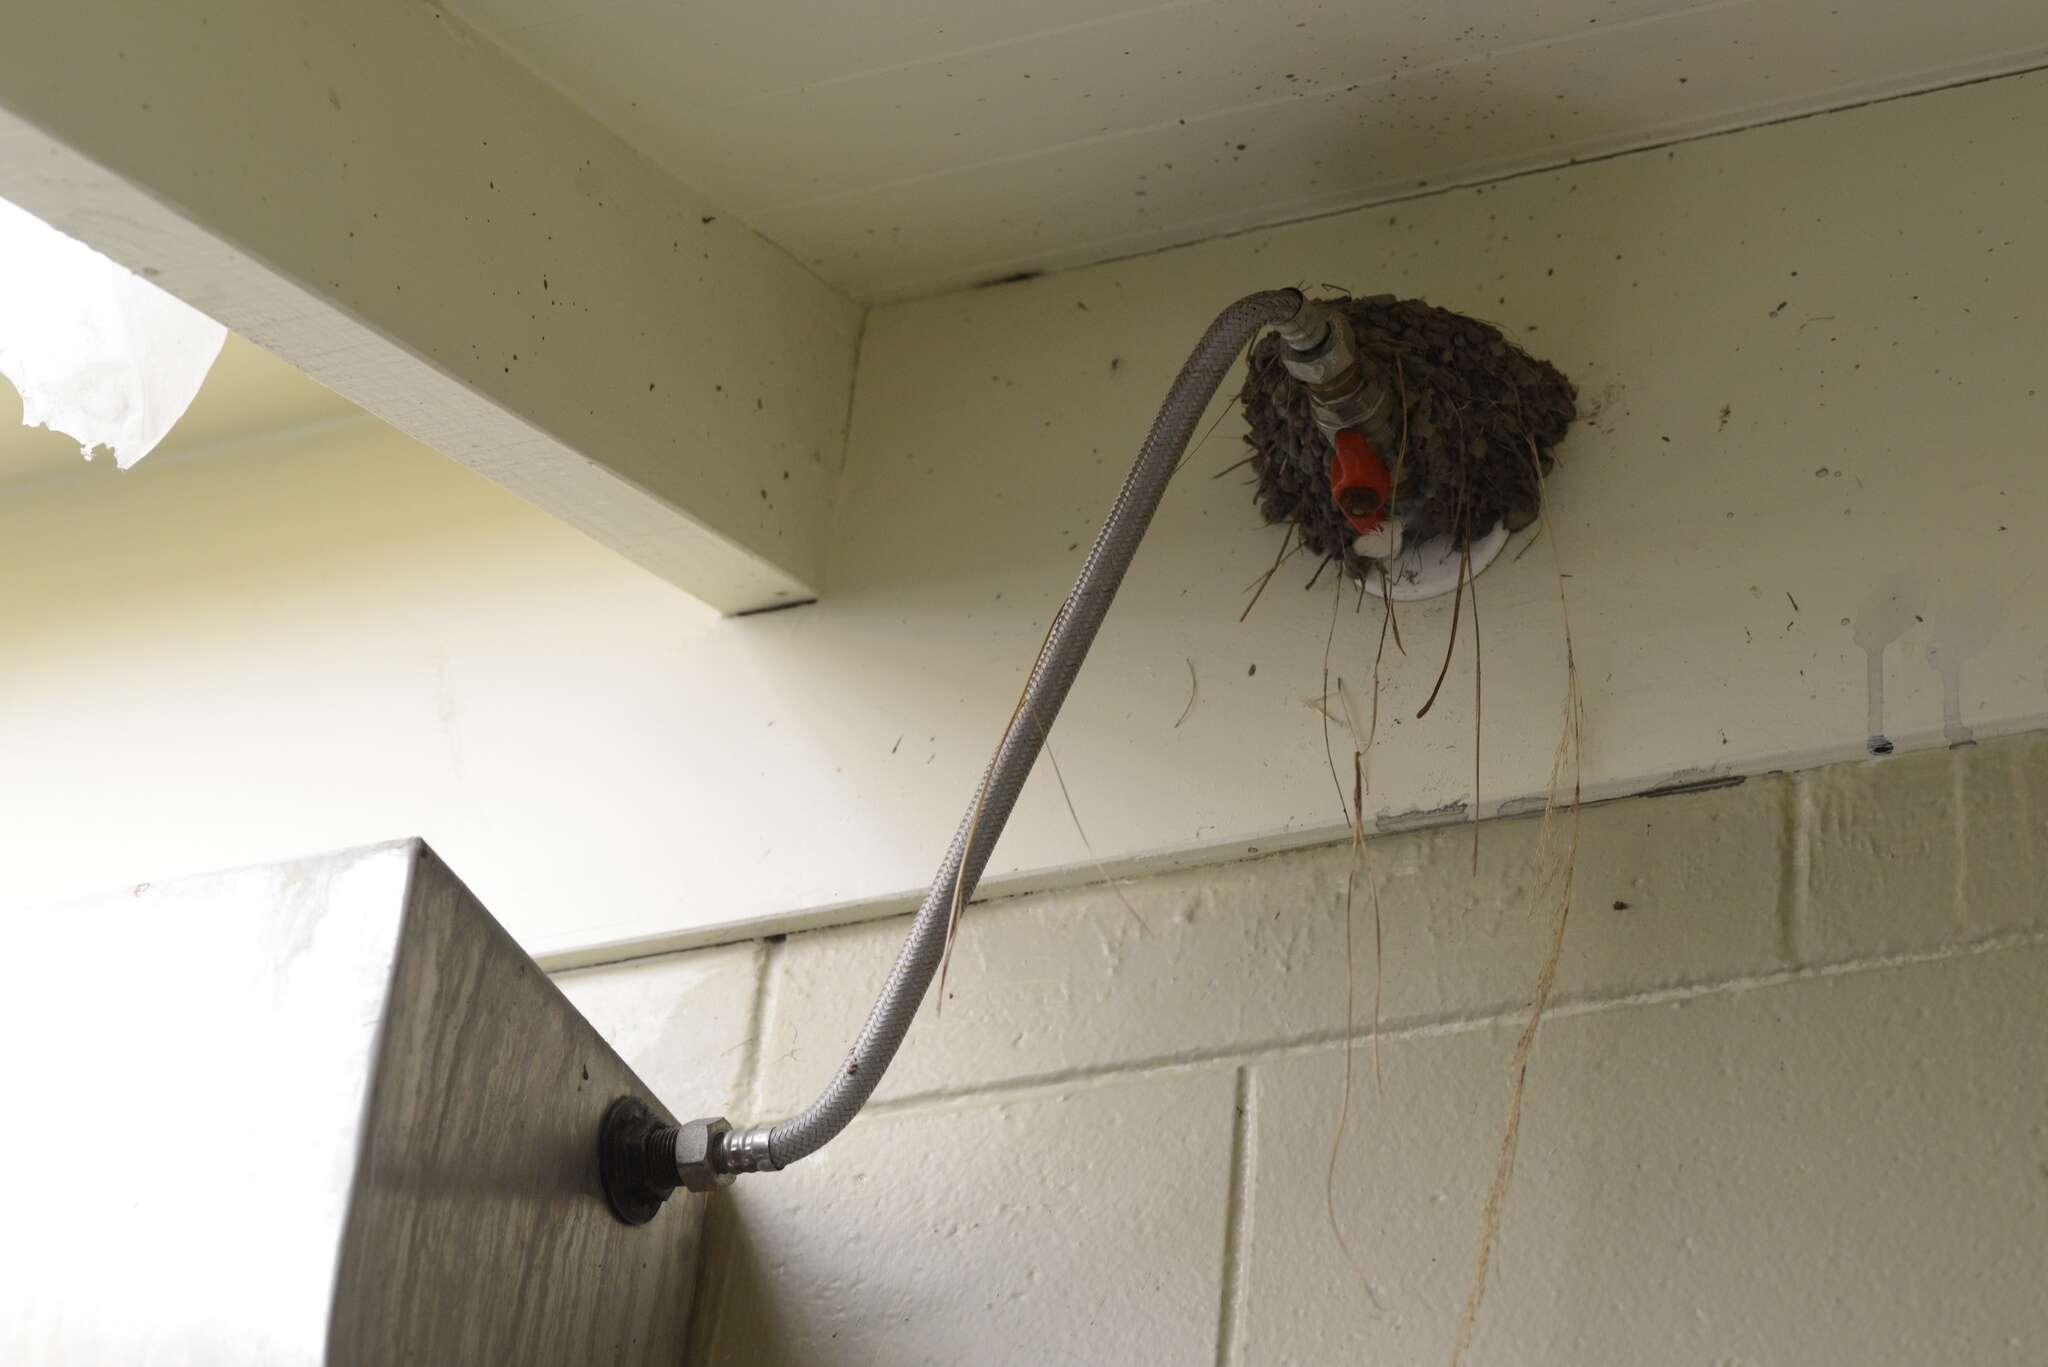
333 637
1814 418
338 637
1788 1108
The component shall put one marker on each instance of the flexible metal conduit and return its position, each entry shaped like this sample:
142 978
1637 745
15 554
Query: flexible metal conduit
1073 631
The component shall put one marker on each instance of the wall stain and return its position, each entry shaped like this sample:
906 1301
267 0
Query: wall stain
1962 629
446 710
1886 614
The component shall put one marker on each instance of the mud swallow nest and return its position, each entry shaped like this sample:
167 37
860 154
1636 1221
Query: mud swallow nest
1480 416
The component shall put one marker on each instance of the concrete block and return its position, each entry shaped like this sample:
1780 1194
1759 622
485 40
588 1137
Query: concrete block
1847 1169
1243 955
1086 1227
1683 888
682 1021
1885 858
2004 812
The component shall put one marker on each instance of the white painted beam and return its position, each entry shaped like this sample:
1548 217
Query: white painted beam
381 197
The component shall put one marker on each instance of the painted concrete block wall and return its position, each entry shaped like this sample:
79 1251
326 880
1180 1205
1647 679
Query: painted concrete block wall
1790 1105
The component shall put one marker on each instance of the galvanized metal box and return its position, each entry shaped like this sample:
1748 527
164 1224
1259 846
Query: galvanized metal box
323 1112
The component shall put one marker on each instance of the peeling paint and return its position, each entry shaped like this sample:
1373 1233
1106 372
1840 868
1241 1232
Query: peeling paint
1696 781
1417 818
1529 805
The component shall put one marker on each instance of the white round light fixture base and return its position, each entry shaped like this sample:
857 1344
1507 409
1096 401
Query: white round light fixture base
1430 569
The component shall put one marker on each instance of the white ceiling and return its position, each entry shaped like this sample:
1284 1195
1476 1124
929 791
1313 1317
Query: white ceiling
905 147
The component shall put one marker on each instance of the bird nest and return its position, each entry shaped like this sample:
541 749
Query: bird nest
1478 419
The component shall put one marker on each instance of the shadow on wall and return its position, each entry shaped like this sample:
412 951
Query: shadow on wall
334 530
734 1320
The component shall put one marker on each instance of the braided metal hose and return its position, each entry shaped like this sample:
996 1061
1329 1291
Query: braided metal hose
765 1148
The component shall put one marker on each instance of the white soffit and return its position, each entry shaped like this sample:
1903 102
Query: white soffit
904 148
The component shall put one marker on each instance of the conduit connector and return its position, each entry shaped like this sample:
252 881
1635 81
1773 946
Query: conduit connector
642 1161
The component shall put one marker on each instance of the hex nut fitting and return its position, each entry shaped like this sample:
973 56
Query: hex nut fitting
696 1152
1308 327
1327 361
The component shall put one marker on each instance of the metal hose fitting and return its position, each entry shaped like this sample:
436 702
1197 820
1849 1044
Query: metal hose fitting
744 1151
1343 391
